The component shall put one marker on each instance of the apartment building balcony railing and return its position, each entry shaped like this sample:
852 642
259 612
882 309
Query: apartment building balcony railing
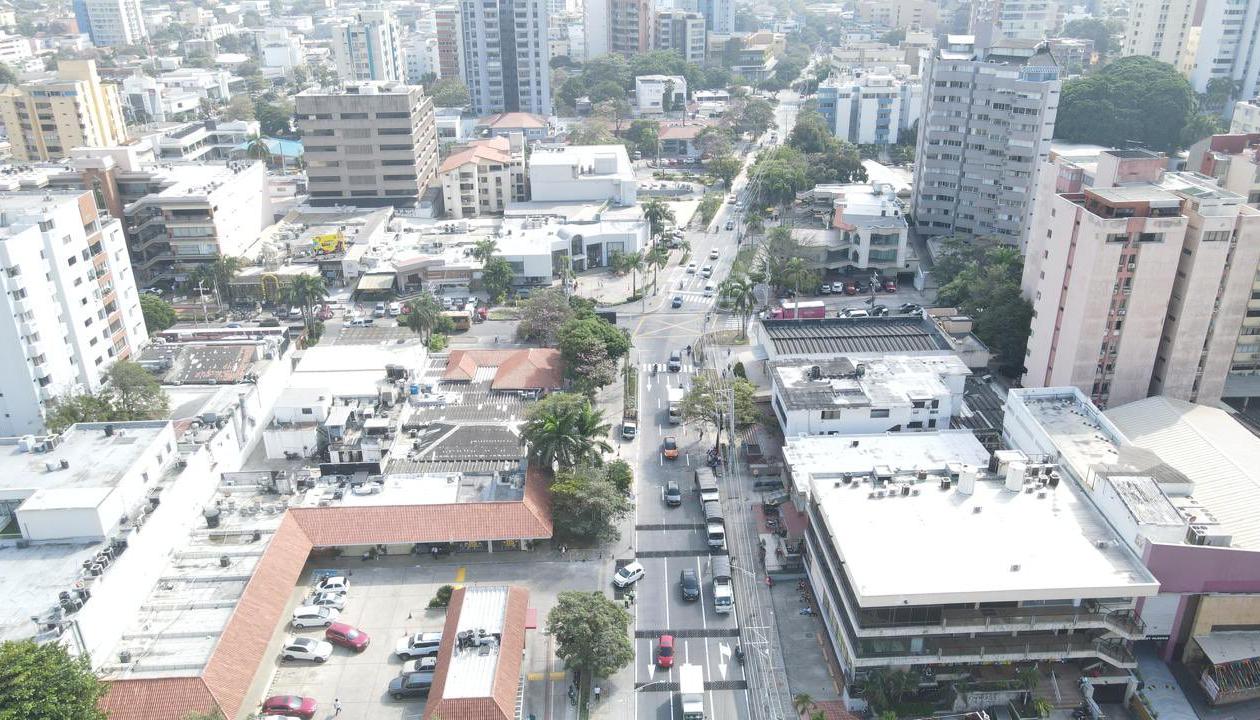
902 621
1000 649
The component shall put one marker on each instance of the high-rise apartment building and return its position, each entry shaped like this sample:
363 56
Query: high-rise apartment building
986 125
718 14
871 108
506 56
69 307
450 37
619 26
996 20
900 14
369 48
1204 39
683 32
45 119
368 144
1139 278
111 22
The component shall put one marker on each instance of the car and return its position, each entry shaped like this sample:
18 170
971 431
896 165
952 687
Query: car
233 325
290 705
295 312
863 286
909 308
379 310
361 322
418 645
676 302
879 310
691 268
311 616
669 447
334 583
665 651
675 361
151 291
416 684
850 288
739 204
890 286
714 254
424 664
730 224
824 289
395 309
269 322
448 303
689 584
708 289
628 574
673 495
707 271
300 648
347 636
856 313
730 198
334 600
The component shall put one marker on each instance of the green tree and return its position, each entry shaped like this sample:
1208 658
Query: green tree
709 206
275 119
256 147
565 429
1134 99
657 213
645 137
797 275
1199 126
591 632
657 257
714 141
218 274
592 131
44 682
706 404
484 249
802 703
590 347
1090 29
304 291
7 76
78 408
449 92
134 394
586 505
985 285
620 475
422 315
496 277
753 115
739 292
542 316
158 314
725 168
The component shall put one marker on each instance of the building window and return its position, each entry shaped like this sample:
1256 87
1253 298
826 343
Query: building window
879 412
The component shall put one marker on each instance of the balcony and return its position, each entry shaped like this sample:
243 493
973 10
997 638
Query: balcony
932 651
939 621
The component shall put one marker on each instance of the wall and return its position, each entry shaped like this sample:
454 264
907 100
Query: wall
61 523
1221 610
279 440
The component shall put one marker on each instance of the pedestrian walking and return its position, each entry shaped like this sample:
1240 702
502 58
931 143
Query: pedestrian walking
336 706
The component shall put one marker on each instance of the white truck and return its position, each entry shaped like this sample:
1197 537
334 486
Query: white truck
691 691
706 485
723 592
676 395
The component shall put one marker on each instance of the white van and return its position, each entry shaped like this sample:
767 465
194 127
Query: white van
395 309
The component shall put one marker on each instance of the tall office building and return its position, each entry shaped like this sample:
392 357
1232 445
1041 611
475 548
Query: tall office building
69 307
1140 279
47 118
1203 39
719 15
995 20
506 56
683 32
370 48
450 37
619 26
986 125
111 22
369 144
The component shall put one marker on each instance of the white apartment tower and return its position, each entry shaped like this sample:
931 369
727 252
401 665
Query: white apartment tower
1204 39
683 32
1139 278
70 307
995 20
369 48
506 56
111 22
988 116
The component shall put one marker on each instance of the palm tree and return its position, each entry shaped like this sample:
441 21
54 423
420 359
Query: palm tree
657 257
219 274
657 213
485 249
256 147
305 290
422 315
740 292
796 273
566 430
802 703
635 264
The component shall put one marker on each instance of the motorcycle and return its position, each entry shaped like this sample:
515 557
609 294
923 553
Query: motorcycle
739 654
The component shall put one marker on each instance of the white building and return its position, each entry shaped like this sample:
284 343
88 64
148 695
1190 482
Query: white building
870 108
111 22
1246 117
846 396
280 49
506 72
1205 40
420 57
538 239
656 94
369 47
70 303
14 49
995 20
177 94
574 173
683 32
483 177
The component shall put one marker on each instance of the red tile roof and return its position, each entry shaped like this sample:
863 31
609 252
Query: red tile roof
530 369
681 131
157 698
513 120
501 703
496 149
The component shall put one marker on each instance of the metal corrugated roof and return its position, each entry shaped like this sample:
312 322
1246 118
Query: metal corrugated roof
1219 455
853 335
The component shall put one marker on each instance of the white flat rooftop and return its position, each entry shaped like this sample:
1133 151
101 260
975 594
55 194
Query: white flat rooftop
1082 440
96 460
944 546
832 456
33 576
471 672
396 489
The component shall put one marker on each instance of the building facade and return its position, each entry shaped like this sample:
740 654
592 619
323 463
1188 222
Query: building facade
369 144
583 173
71 308
506 56
995 20
46 119
111 22
450 36
483 177
1139 282
870 108
898 14
683 32
657 94
369 48
986 126
1208 40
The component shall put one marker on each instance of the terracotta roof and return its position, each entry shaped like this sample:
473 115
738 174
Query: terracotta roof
495 149
513 120
529 369
501 703
681 131
157 698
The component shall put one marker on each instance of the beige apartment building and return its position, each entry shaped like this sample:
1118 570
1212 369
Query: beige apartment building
901 14
482 177
1139 278
48 118
369 144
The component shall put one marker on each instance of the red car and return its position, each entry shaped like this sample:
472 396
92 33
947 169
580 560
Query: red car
850 288
665 651
890 286
347 637
291 705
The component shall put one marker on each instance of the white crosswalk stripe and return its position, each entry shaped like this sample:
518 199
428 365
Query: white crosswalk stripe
687 369
691 297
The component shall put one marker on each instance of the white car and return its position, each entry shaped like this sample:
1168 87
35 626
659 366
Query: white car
691 268
713 254
334 600
336 583
418 645
708 289
707 271
312 616
857 313
395 309
296 648
628 575
424 664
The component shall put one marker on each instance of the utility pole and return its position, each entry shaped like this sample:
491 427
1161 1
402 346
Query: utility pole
201 295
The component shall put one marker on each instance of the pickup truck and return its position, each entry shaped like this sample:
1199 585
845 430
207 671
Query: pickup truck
715 526
723 592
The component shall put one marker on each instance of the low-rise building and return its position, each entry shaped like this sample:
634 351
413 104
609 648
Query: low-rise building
176 95
867 229
870 338
483 177
540 239
1246 117
279 49
657 94
532 127
579 173
758 55
479 664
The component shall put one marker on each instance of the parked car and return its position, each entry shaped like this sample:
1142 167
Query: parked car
311 616
362 321
856 313
824 289
691 268
730 224
850 288
347 636
395 309
665 651
677 302
336 583
418 645
295 313
416 684
669 447
890 285
291 705
714 254
689 584
673 495
334 600
879 310
379 310
424 664
300 648
909 308
628 574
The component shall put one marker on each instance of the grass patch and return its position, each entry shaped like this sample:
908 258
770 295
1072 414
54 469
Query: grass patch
503 313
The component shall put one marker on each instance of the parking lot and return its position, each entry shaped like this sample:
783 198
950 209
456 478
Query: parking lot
388 600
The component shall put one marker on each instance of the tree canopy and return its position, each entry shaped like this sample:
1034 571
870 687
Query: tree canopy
981 277
586 503
705 404
130 393
158 314
565 429
591 632
496 278
612 76
591 348
1134 100
449 92
43 682
542 316
1093 29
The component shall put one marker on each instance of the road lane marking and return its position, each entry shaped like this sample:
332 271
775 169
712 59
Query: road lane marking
460 574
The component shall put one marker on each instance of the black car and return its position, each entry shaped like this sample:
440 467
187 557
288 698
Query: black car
689 584
879 310
677 301
414 684
673 496
730 225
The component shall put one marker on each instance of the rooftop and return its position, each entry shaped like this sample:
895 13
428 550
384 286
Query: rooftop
353 370
86 455
528 369
830 456
840 336
868 206
1073 425
513 120
1229 646
23 209
493 150
200 364
592 160
878 382
479 677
